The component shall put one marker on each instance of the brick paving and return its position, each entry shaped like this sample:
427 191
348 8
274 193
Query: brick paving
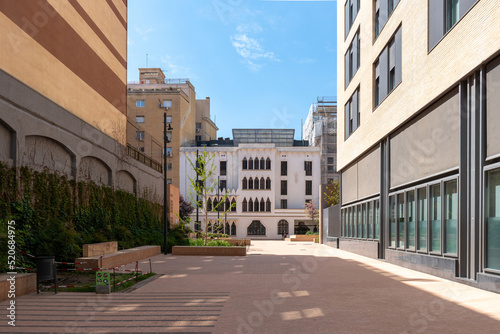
280 287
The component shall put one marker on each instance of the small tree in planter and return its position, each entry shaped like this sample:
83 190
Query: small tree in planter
312 211
332 193
204 184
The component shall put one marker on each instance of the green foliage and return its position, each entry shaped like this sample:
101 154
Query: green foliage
332 193
312 233
178 236
212 243
56 216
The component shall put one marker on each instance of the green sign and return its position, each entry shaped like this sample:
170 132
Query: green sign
102 278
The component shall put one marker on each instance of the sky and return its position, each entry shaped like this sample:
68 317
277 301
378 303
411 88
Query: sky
262 63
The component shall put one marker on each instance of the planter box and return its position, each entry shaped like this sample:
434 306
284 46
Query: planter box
25 284
237 242
209 251
311 238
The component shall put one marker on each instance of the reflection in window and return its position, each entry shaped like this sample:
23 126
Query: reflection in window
422 219
401 220
451 216
392 221
359 222
493 223
410 217
435 210
363 220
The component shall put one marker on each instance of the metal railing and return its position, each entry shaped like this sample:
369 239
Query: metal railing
141 157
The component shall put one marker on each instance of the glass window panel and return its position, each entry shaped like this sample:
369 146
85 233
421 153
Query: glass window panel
370 220
392 221
435 210
363 220
410 218
493 224
353 226
401 220
451 216
377 219
360 223
422 219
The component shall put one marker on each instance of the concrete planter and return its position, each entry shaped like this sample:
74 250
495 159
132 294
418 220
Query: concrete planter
209 251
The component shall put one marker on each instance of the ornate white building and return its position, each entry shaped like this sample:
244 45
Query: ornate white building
267 174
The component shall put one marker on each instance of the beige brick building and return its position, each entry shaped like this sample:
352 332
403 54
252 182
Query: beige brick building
149 99
418 148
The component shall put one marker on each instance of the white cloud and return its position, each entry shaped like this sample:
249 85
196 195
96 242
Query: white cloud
173 69
250 50
144 32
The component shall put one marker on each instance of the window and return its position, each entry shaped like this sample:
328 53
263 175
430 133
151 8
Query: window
308 167
383 10
268 205
233 205
141 149
139 135
262 163
377 219
352 59
169 166
169 136
422 219
169 119
209 205
369 211
233 229
250 183
401 220
451 217
435 210
223 165
223 184
352 116
359 221
388 69
283 187
139 103
250 205
169 151
392 221
330 160
167 104
351 10
443 15
262 183
282 227
262 205
244 163
250 163
244 206
363 220
256 181
284 168
308 187
139 119
284 204
493 220
268 183
256 228
244 183
410 217
268 164
197 138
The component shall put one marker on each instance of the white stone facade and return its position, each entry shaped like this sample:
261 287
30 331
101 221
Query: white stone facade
273 213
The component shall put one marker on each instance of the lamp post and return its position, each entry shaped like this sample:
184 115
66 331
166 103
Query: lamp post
165 206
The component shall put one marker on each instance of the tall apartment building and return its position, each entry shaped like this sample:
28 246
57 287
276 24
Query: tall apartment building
268 175
63 107
188 119
419 146
320 130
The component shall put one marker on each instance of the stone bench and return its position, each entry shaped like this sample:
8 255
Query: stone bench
115 259
102 248
25 284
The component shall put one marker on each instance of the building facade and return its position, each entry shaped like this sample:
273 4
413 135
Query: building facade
418 149
63 106
188 119
320 130
266 174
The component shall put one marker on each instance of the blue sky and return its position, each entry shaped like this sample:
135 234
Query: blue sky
262 63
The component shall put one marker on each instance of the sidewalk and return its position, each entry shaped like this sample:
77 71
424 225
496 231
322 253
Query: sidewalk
280 287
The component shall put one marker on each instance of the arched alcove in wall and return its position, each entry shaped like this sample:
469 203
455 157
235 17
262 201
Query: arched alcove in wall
43 153
94 169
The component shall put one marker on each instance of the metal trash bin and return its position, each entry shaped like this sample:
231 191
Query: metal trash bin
46 270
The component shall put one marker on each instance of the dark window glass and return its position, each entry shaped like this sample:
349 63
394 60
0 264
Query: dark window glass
268 205
233 205
244 206
392 221
282 227
223 165
250 183
262 205
308 187
422 219
262 163
262 183
268 163
493 220
256 228
268 183
244 183
283 187
250 205
250 163
245 163
223 185
410 217
256 183
308 167
284 168
435 211
284 204
401 221
233 229
451 216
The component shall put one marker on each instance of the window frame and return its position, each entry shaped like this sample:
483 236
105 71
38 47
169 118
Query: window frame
138 103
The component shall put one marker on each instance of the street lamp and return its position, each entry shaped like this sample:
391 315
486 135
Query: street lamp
165 206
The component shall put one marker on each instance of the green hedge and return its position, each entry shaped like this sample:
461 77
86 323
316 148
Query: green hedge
56 216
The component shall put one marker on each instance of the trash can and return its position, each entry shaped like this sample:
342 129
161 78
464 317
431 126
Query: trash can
46 270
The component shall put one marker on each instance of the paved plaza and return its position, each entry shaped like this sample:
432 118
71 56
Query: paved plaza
280 287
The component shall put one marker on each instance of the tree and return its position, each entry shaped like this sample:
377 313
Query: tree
185 209
332 193
312 211
204 184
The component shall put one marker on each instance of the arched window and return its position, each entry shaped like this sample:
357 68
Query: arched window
256 228
250 183
268 163
209 228
244 205
228 205
282 227
262 205
256 205
215 204
227 229
233 229
250 163
262 183
250 205
262 163
245 163
268 205
233 205
209 205
244 183
268 183
256 183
